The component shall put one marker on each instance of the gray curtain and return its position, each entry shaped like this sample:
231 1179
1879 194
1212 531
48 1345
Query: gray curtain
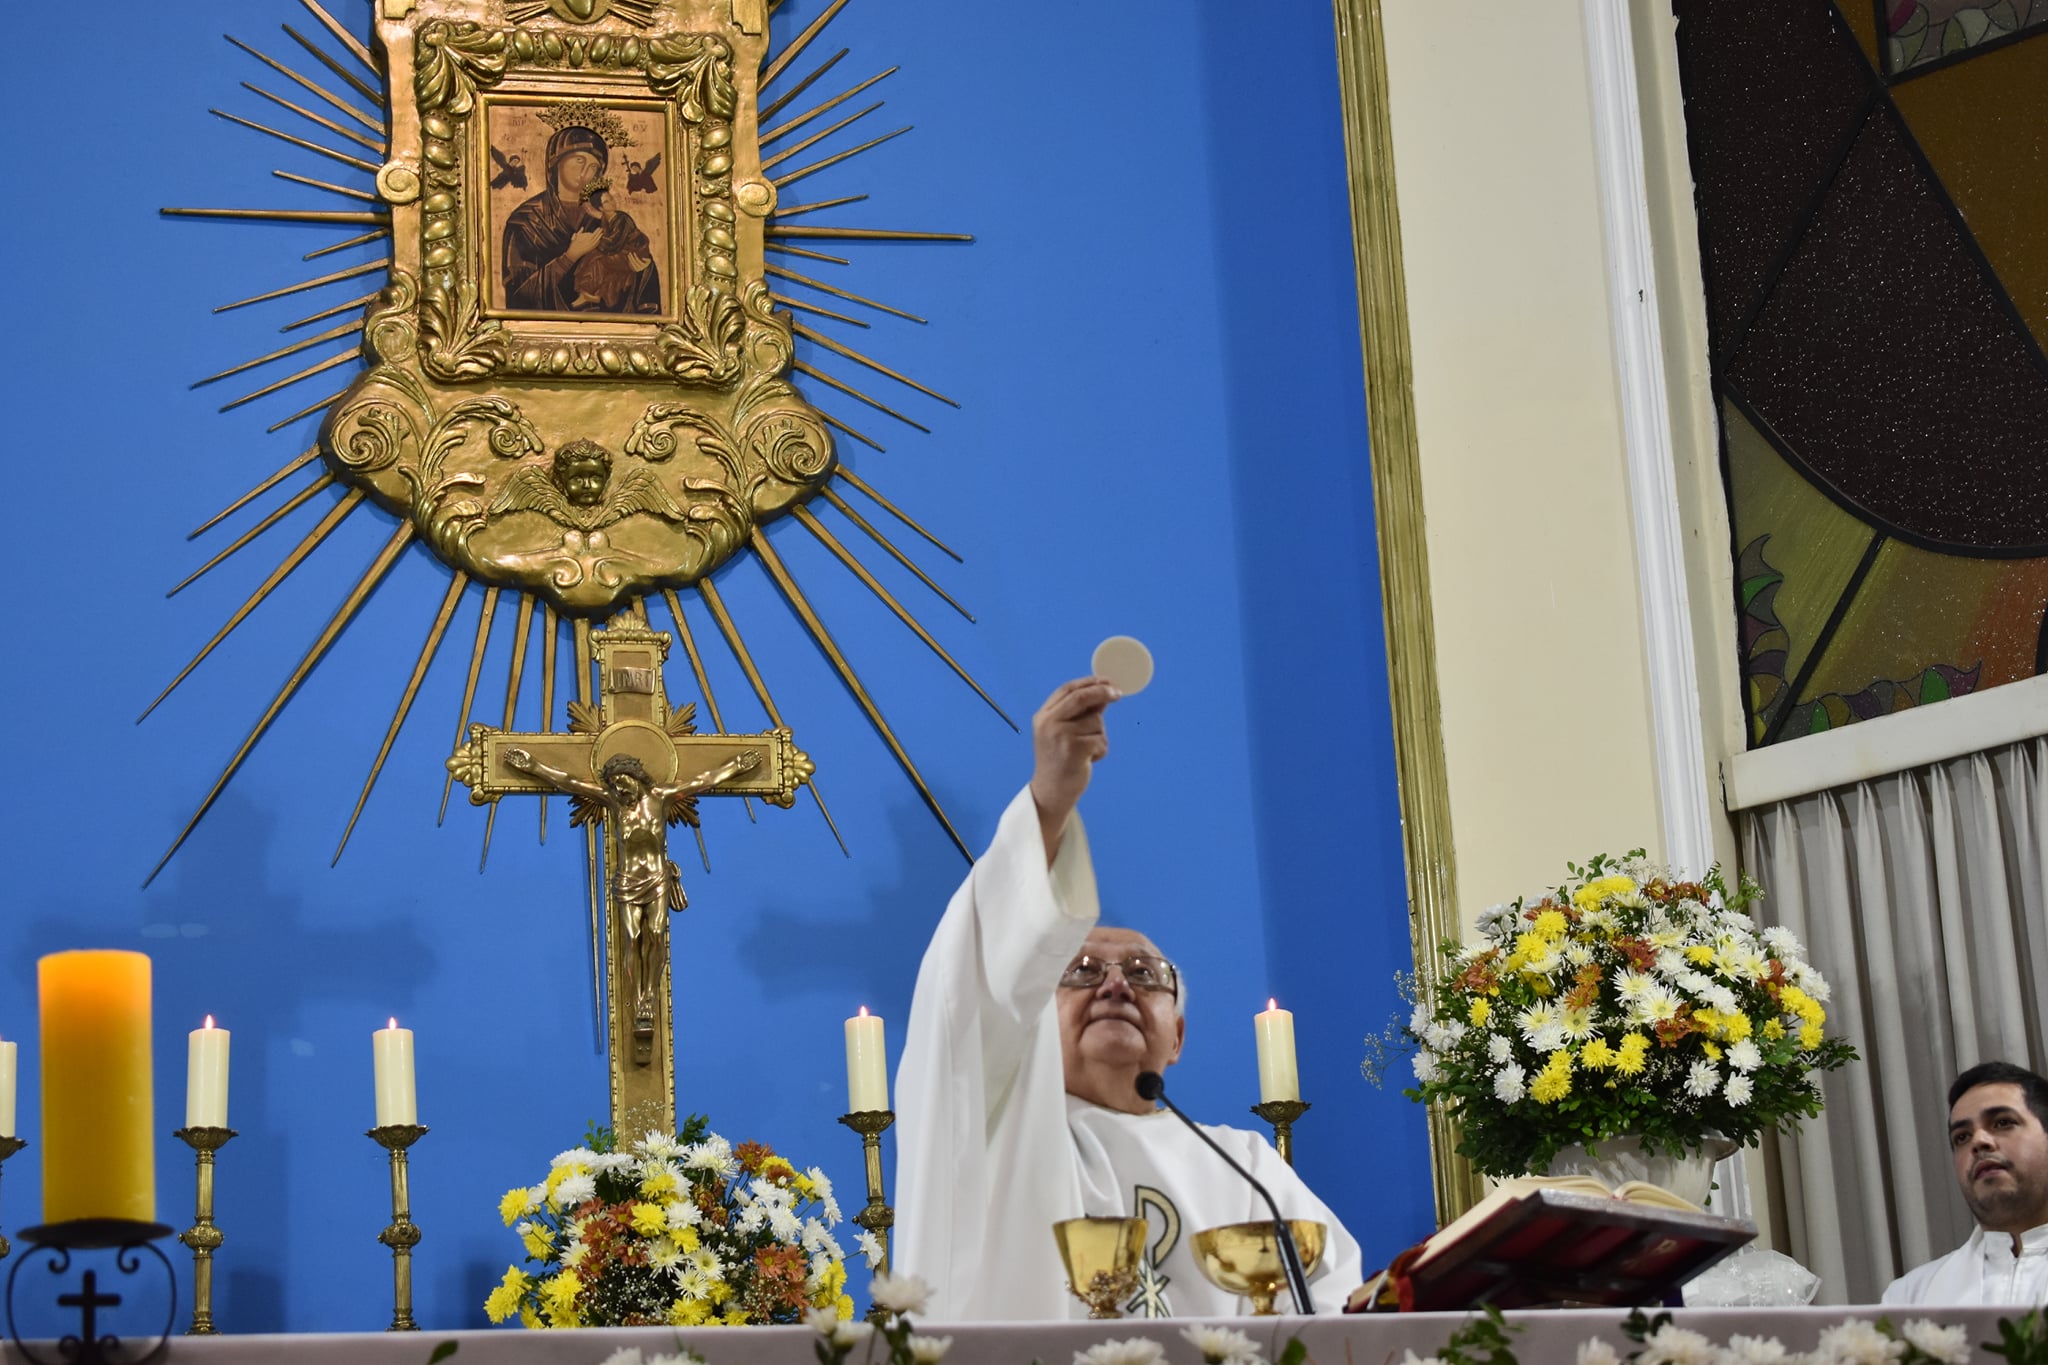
1919 895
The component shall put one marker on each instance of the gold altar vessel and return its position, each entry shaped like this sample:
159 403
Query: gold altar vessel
1102 1257
1244 1258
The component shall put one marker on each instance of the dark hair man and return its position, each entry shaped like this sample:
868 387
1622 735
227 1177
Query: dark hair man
1998 1135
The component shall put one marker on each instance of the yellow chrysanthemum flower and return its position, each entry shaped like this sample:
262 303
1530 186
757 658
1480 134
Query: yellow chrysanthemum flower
718 1291
649 1220
504 1300
1476 1012
1629 1057
1554 1081
689 1313
1810 1036
1552 924
1713 1053
1700 953
539 1245
1597 1054
529 1319
805 1186
843 1306
778 1168
1735 1027
515 1205
659 1184
1773 1030
558 1299
1599 889
835 1277
734 1317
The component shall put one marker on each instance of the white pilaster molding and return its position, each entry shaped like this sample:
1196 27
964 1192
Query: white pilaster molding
1683 793
1683 790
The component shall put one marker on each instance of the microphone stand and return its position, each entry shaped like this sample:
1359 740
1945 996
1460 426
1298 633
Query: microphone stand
1151 1086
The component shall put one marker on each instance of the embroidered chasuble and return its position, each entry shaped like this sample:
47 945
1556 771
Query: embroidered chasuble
992 1151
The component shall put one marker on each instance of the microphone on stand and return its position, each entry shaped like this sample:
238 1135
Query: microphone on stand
1152 1086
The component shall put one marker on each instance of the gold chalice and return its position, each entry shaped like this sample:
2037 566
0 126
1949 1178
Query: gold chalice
1244 1258
1102 1256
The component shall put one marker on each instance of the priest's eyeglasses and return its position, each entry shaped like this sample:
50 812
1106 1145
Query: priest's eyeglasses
1142 972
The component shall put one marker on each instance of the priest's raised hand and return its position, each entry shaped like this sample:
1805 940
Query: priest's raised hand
1067 738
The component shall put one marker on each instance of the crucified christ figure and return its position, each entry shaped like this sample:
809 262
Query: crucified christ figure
644 883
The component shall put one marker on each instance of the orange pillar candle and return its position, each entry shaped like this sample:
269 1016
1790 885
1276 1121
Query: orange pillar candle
99 1128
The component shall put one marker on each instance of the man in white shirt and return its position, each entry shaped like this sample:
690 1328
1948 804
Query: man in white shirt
1016 1098
1998 1133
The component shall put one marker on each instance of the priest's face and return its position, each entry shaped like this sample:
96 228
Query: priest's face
1109 1032
2001 1156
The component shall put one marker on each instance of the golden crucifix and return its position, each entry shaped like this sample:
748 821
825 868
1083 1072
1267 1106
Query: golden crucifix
632 768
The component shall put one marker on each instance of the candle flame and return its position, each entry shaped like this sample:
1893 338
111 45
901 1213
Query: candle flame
1271 1003
863 1011
393 1024
209 1021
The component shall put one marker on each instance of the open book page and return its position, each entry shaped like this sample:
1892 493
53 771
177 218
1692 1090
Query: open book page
1634 1192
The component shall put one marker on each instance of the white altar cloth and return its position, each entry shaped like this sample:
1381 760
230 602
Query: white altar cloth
1549 1338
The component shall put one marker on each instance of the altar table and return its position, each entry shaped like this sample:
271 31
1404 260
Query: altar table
1548 1338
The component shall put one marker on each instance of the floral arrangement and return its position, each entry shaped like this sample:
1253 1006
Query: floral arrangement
1488 1340
685 1231
1626 1003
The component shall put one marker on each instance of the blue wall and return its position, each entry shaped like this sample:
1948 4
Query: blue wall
1155 341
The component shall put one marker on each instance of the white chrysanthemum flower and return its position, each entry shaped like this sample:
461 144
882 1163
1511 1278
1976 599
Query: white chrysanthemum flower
713 1154
1740 1089
1633 900
1654 1006
1538 1017
1722 999
1445 1034
625 1355
682 1357
684 1213
1742 1350
1813 983
1597 1352
1856 1342
1599 919
751 1218
1495 920
814 1237
1631 986
1413 1359
1499 1048
606 1163
664 1254
1418 1019
851 1333
821 1184
1549 1038
1135 1351
1426 1068
1579 1022
1468 952
1672 1345
899 1293
1671 963
1703 1080
870 1247
574 1255
1745 1056
1219 1344
575 1190
1783 942
1544 959
928 1350
575 1156
1949 1345
1511 1084
1665 936
785 1225
1742 963
1577 954
821 1320
1699 983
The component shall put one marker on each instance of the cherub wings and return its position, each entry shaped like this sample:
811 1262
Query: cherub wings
532 490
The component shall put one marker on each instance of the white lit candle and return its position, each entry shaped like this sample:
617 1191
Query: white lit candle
206 1077
1278 1078
867 1064
7 1063
396 1101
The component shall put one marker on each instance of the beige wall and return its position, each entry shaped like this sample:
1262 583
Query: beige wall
1546 720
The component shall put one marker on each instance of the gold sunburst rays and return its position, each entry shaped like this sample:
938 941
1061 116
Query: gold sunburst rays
784 238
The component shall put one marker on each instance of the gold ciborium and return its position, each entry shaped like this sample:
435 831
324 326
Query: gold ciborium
1244 1258
1101 1256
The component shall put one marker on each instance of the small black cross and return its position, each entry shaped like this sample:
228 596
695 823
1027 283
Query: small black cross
91 1301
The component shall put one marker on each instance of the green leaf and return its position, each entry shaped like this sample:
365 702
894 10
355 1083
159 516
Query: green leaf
1293 1353
443 1351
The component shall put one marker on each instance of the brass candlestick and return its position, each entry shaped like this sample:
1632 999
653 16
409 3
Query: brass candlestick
1282 1114
877 1217
203 1237
402 1236
8 1147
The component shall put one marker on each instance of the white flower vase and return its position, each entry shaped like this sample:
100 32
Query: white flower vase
1617 1161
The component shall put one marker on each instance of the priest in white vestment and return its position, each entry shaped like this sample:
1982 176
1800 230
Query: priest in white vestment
1998 1135
1016 1097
